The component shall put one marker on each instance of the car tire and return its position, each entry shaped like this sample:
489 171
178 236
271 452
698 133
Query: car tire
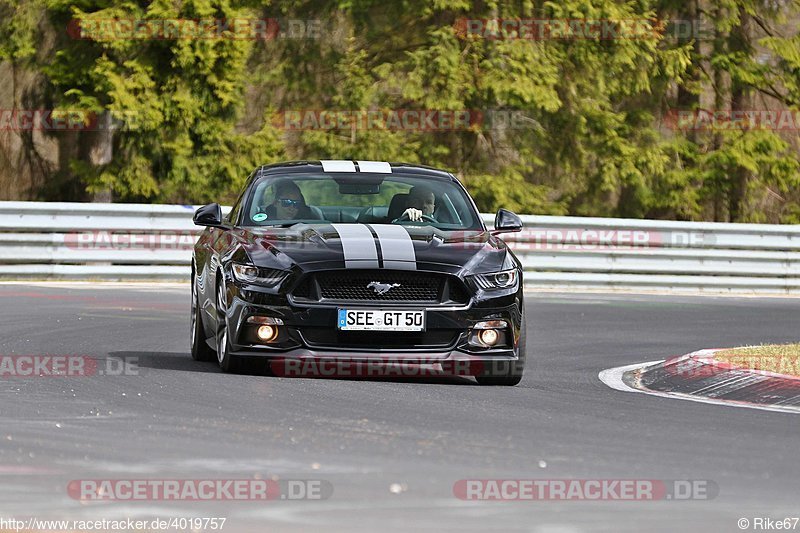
227 362
506 373
201 351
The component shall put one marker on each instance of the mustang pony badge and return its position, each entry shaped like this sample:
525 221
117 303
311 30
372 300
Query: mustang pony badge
382 288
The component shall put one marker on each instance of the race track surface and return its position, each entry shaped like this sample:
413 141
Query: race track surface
391 449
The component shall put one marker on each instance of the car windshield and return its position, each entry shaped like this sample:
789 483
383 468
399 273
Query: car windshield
364 198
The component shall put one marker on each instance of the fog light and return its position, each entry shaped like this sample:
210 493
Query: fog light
489 337
490 334
267 333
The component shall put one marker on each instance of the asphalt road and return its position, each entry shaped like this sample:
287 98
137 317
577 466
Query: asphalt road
391 450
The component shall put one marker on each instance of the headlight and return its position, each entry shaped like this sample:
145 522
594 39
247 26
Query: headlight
496 280
267 277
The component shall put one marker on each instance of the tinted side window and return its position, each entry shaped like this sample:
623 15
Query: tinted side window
233 216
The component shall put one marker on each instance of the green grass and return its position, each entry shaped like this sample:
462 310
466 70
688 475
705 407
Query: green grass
778 358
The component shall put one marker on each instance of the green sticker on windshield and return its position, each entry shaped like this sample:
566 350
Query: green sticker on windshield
259 217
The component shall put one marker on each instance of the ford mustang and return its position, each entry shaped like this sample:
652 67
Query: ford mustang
331 260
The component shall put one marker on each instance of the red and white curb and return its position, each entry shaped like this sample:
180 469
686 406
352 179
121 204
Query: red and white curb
723 376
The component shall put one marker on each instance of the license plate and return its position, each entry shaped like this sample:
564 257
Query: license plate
380 320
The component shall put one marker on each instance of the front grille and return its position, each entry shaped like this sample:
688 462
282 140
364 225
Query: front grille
409 286
353 285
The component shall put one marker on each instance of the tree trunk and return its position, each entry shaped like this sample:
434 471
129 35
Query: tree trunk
101 151
741 100
687 99
721 93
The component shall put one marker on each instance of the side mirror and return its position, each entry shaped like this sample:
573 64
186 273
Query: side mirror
505 222
209 215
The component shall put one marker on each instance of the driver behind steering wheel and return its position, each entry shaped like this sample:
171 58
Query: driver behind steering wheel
421 201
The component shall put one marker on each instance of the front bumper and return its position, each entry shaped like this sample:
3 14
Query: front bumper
309 330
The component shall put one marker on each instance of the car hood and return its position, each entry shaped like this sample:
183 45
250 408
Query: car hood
393 246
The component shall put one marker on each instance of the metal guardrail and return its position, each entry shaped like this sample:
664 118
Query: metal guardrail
54 240
659 255
128 241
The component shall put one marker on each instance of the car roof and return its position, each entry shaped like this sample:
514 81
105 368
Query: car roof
296 167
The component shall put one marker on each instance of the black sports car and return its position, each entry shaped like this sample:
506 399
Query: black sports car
358 260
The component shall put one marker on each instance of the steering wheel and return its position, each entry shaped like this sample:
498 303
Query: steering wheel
425 218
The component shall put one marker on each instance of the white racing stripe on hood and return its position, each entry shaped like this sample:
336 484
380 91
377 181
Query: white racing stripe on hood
397 247
358 245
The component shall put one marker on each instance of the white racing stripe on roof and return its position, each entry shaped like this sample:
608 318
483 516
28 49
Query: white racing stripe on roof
397 247
358 245
379 167
338 165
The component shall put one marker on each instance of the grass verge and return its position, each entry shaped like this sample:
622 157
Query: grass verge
778 358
